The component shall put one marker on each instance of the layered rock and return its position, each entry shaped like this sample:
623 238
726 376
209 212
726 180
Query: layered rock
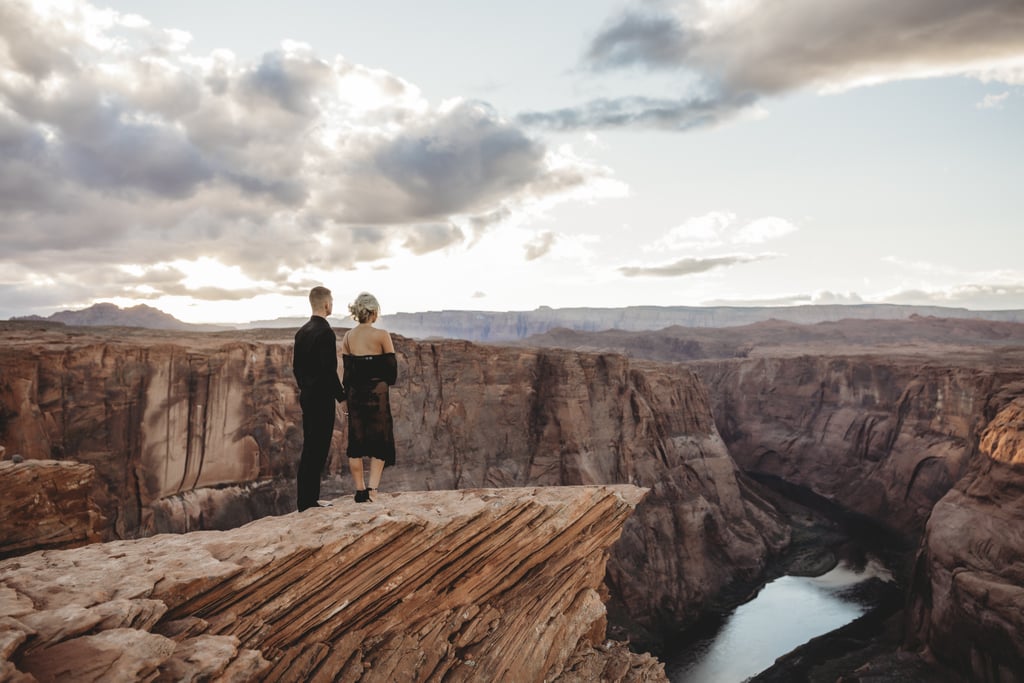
885 436
967 605
499 584
205 433
155 419
47 504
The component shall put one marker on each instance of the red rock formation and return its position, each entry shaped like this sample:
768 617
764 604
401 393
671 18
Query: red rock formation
174 430
883 436
155 419
499 584
967 604
47 504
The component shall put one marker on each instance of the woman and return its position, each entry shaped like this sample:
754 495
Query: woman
370 367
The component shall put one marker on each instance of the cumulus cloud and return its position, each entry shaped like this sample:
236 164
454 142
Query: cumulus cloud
427 238
691 265
119 146
741 52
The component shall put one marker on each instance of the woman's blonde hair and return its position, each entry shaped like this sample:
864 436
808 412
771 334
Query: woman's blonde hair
363 308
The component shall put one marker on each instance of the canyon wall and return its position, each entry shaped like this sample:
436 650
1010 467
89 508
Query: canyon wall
967 596
203 431
456 586
886 436
154 418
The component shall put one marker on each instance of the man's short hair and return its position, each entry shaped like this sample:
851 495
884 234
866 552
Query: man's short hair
319 296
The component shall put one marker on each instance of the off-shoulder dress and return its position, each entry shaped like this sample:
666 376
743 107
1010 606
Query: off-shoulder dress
370 427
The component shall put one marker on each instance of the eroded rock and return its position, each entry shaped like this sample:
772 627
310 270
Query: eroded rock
967 606
502 584
47 504
886 437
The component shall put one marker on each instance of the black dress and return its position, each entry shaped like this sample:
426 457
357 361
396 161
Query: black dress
370 428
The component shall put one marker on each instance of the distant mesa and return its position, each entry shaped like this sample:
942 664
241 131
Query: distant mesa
111 315
508 326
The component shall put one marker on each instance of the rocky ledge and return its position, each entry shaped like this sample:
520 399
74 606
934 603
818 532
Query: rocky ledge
499 584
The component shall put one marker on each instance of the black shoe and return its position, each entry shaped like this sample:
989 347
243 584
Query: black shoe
363 496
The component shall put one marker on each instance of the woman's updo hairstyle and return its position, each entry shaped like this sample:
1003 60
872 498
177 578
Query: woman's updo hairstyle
363 308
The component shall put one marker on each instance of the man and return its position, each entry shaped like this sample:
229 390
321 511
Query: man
315 365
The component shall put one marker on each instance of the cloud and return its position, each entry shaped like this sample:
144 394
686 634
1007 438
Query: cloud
683 113
741 52
427 238
461 161
823 297
763 229
717 228
992 101
540 245
968 295
691 265
118 146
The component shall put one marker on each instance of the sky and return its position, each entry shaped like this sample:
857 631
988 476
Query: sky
216 159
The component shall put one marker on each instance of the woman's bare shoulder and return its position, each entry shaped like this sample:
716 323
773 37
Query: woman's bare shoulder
384 337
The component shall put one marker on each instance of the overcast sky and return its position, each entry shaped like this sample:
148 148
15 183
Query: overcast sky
216 159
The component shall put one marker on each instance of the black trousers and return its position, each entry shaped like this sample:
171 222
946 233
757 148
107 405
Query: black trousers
317 429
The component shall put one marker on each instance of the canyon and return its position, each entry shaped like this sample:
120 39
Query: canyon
202 431
913 426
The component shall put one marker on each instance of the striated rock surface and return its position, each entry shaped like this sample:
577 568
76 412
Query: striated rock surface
47 504
967 599
884 436
501 584
205 432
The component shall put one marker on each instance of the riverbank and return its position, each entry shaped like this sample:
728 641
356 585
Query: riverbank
824 538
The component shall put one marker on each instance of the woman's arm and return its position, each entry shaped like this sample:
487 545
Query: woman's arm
386 345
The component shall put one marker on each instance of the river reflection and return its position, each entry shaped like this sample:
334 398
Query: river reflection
786 613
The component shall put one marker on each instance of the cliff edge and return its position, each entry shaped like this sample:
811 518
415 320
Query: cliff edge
499 584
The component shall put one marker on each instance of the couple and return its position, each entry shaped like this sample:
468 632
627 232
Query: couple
369 368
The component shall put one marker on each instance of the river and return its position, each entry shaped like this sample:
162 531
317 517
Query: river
786 613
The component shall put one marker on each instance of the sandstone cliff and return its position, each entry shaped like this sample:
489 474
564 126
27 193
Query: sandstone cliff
155 419
457 586
202 431
48 504
886 436
916 426
967 606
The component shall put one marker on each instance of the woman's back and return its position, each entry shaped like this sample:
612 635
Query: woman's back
365 340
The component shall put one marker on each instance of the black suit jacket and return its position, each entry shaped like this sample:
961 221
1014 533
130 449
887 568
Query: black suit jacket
315 361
